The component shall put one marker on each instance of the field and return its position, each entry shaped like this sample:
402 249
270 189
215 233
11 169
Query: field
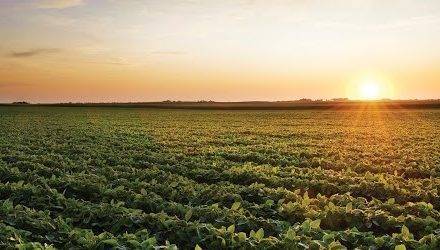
102 177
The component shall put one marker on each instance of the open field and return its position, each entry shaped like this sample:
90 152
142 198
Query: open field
93 177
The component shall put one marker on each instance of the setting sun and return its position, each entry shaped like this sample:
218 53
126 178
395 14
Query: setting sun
369 90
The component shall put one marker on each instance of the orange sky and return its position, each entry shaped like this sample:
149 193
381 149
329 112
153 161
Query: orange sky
96 51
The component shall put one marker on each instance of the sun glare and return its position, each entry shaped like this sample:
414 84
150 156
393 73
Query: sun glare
370 87
369 90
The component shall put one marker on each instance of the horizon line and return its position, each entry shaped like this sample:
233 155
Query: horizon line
301 100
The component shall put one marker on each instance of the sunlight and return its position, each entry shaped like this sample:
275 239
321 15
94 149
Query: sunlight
370 86
370 90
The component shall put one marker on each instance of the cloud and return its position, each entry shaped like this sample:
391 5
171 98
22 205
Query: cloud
400 24
111 61
411 23
117 61
13 85
58 4
32 52
168 52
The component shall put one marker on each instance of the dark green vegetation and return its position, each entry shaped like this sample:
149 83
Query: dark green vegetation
138 178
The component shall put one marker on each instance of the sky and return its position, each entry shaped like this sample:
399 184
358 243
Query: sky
241 50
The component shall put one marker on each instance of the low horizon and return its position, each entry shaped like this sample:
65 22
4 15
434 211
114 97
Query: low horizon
301 100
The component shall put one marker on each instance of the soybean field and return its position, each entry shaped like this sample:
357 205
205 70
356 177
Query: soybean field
139 178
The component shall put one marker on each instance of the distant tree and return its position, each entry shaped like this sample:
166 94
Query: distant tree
305 100
340 99
21 103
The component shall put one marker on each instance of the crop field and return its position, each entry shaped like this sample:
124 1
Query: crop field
137 178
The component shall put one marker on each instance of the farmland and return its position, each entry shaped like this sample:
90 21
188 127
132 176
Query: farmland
103 177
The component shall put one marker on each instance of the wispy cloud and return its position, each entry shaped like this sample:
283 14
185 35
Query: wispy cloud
400 24
168 52
412 23
32 52
12 84
111 61
58 4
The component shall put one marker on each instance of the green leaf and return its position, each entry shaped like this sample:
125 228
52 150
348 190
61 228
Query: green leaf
259 234
391 201
231 229
151 241
188 214
143 191
252 233
223 242
291 234
110 242
400 247
306 225
328 238
236 205
134 243
306 200
197 247
269 203
406 235
335 245
315 224
349 207
242 236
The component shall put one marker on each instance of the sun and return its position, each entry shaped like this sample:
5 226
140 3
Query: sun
370 90
370 86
